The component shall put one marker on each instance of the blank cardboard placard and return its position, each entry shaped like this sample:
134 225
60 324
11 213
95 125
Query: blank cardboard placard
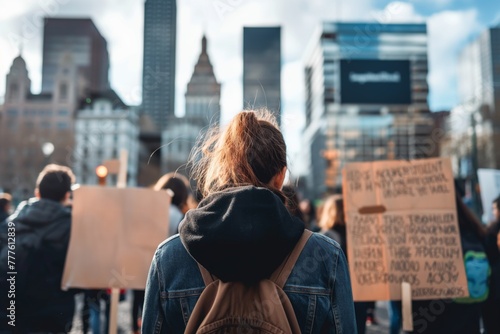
402 227
112 165
114 235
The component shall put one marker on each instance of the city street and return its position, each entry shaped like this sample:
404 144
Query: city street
125 325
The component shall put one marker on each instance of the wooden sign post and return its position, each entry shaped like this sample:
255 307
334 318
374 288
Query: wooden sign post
115 292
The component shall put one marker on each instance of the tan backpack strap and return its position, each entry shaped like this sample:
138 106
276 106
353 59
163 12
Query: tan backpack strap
205 274
281 274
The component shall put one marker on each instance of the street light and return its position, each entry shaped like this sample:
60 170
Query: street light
47 150
101 172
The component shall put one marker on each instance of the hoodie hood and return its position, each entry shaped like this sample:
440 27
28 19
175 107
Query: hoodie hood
240 234
38 213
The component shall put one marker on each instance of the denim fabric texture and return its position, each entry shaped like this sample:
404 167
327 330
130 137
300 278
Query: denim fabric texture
319 289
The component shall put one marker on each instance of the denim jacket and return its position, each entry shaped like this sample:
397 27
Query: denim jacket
319 289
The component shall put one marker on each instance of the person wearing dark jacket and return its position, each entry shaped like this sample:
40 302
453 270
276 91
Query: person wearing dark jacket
42 231
491 308
241 231
459 316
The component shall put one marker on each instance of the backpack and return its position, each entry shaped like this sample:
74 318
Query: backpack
233 307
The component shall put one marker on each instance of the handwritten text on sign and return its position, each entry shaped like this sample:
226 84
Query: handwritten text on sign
402 227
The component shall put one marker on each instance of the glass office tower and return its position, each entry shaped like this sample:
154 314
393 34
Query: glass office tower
158 76
477 118
88 48
262 69
366 99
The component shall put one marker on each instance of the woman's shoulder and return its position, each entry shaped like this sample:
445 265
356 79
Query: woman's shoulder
322 247
317 265
171 249
177 269
325 241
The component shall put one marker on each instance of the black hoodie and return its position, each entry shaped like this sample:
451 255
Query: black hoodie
240 234
49 219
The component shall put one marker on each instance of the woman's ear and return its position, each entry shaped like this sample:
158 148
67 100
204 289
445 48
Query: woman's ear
278 179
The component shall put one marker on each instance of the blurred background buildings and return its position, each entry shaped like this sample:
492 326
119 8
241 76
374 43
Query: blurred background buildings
366 98
88 48
262 69
158 71
202 111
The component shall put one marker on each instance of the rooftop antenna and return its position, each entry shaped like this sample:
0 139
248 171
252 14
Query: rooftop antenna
204 38
21 45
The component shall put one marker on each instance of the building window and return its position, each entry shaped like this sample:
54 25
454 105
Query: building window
62 125
63 92
45 113
12 112
63 112
13 92
12 125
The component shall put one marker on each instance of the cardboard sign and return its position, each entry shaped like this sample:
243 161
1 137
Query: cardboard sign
114 235
402 227
489 181
113 166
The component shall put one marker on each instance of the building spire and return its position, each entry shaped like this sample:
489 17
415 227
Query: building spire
21 45
204 44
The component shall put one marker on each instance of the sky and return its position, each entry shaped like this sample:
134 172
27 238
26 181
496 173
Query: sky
451 25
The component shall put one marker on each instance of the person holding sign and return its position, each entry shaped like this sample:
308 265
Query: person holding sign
461 315
241 232
333 225
178 184
491 308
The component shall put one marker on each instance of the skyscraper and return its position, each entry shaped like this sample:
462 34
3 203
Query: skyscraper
158 77
79 37
202 111
262 69
366 98
479 92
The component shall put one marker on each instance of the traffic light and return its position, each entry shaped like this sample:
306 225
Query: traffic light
101 172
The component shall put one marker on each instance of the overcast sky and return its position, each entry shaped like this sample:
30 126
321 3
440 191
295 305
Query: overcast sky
451 24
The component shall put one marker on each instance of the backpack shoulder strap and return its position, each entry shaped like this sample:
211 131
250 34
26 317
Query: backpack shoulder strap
206 275
281 274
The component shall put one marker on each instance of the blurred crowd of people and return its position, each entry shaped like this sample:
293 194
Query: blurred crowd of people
46 220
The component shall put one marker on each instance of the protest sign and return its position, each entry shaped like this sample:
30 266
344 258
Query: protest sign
114 235
489 182
402 227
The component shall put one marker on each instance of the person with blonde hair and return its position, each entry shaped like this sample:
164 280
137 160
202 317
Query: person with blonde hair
332 220
333 224
242 232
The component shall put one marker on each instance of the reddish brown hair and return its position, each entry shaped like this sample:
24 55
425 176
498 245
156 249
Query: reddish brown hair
249 151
